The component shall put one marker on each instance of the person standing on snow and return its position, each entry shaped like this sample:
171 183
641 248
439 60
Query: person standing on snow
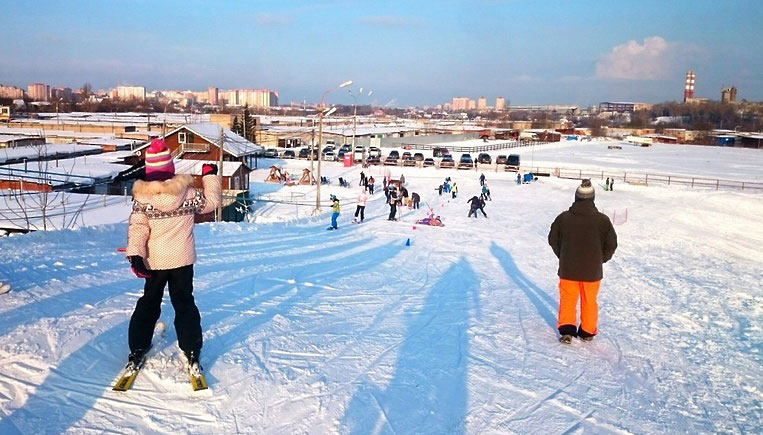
160 247
454 190
482 179
439 189
415 199
583 239
334 211
361 208
362 179
370 185
392 204
611 184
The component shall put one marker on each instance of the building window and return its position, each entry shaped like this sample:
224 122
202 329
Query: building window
181 137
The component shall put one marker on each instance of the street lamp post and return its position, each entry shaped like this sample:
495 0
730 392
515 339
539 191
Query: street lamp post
320 140
355 120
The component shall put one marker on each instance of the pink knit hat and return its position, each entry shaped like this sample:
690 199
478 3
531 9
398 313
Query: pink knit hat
159 165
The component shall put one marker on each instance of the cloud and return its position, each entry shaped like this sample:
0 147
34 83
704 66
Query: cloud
386 21
271 20
654 59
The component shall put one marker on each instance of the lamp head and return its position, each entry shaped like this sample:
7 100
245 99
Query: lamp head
347 83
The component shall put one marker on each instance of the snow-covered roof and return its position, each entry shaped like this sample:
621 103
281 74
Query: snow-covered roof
62 150
232 143
78 169
193 167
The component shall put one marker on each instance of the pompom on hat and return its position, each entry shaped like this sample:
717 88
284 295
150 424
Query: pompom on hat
584 191
159 164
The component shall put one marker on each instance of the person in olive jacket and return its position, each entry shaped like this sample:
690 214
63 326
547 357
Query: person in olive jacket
583 239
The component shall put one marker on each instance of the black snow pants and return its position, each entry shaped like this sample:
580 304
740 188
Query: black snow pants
148 309
392 211
360 210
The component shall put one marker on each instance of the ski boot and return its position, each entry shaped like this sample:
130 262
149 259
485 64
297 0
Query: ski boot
566 339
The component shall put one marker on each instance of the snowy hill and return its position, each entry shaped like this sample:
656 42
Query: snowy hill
352 331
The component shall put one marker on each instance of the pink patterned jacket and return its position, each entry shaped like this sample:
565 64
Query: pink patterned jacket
161 224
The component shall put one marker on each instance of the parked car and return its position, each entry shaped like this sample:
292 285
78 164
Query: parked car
304 153
328 148
390 160
374 152
500 160
513 161
406 154
288 154
271 152
408 161
395 154
418 157
373 161
346 147
440 152
447 162
484 158
465 162
329 156
429 161
340 155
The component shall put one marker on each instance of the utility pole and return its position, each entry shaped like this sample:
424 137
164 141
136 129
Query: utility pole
221 143
310 148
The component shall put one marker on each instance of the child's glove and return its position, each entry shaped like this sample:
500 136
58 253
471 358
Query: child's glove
208 169
138 267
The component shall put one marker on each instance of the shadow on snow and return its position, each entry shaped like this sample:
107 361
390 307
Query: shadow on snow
428 391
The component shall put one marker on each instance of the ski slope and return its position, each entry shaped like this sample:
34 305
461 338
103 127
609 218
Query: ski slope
352 331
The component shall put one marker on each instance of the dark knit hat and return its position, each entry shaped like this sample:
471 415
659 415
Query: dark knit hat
159 164
584 191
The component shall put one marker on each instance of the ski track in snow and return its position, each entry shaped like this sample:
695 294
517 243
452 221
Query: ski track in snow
310 331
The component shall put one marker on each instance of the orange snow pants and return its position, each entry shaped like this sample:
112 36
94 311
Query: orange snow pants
589 309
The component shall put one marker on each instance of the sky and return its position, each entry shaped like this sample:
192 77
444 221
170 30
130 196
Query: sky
407 52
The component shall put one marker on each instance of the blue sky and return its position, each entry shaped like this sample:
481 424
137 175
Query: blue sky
407 52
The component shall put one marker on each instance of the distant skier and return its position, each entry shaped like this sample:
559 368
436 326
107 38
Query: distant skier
482 179
370 185
160 247
361 208
475 204
362 179
454 190
439 189
583 239
334 211
415 199
392 200
519 178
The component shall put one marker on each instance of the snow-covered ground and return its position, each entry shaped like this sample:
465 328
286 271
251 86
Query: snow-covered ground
353 331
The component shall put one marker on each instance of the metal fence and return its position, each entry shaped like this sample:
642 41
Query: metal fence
646 178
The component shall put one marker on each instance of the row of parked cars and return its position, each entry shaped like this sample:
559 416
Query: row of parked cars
394 158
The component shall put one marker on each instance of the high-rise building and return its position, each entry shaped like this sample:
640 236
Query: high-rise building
481 103
459 103
213 95
689 86
728 95
11 92
131 93
39 92
500 104
61 93
472 105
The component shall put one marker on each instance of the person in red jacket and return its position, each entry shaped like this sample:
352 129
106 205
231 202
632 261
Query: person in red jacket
583 239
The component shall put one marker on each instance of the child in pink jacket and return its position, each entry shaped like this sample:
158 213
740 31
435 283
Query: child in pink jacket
160 247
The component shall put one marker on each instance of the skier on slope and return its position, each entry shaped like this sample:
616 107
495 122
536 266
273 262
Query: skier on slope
334 211
160 247
582 238
393 200
361 208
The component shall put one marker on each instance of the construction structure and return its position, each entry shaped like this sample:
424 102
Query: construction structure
728 95
689 87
